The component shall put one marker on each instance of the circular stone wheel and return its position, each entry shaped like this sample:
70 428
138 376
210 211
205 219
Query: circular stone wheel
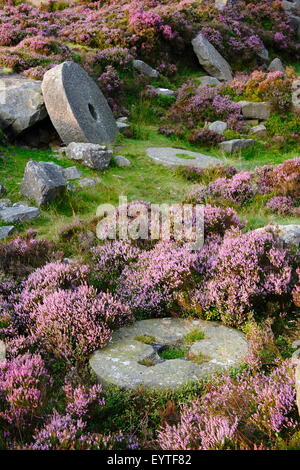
77 107
124 361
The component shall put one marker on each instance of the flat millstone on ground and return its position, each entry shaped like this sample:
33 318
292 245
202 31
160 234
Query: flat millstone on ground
119 363
169 156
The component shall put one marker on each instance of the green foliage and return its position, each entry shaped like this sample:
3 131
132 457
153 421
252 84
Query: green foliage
146 339
173 352
195 335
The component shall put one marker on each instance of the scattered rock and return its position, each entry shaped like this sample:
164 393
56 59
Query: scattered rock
252 110
21 204
5 232
85 182
122 125
77 107
259 131
230 146
287 233
5 203
21 103
122 161
18 214
276 66
91 155
164 92
170 156
43 182
218 126
3 190
72 173
210 59
2 351
207 80
120 362
145 69
263 54
296 94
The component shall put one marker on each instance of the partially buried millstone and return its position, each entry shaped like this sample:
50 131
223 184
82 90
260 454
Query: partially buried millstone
77 107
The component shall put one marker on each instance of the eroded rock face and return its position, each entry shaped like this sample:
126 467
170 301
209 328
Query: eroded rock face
210 59
21 104
43 182
77 107
120 362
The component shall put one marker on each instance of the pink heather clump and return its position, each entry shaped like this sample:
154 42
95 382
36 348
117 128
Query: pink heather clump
284 178
23 386
82 400
281 205
259 404
151 285
72 324
252 272
218 220
296 291
238 189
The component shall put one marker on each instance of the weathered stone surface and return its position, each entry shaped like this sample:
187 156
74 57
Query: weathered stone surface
170 156
252 110
296 94
43 182
276 66
18 214
87 182
92 155
2 351
287 233
145 69
21 103
218 126
72 173
5 232
164 91
77 107
235 145
207 80
5 203
3 190
259 131
122 161
120 362
210 59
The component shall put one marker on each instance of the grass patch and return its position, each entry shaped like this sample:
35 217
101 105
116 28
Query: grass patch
173 352
199 358
195 335
146 339
186 157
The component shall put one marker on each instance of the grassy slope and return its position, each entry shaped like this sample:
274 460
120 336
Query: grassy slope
143 180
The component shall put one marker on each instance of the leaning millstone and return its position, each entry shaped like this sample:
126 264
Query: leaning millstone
3 190
122 161
145 69
72 173
173 157
43 182
276 66
21 103
251 110
210 59
77 107
18 214
230 146
87 182
209 81
91 155
218 126
6 231
122 362
2 351
5 203
259 131
286 233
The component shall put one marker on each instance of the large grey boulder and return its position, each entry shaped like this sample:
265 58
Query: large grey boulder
210 59
3 190
218 126
145 69
18 214
91 155
6 231
43 182
251 110
76 106
21 103
230 146
276 66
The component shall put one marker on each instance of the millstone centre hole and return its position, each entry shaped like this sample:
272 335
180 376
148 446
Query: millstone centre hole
93 112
